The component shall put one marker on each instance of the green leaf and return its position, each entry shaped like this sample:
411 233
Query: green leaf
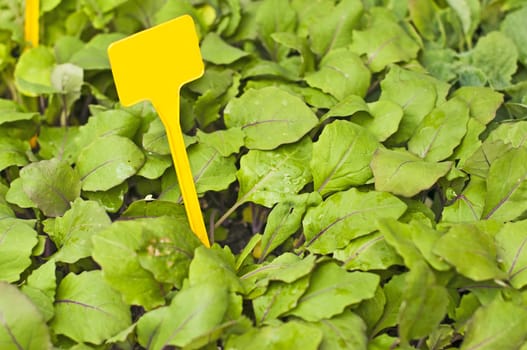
510 243
155 139
420 95
383 42
16 244
393 291
193 312
423 305
285 219
40 288
214 265
88 310
495 55
59 142
331 29
441 131
468 205
33 71
13 152
332 289
72 233
347 107
382 118
137 256
341 157
51 184
507 186
94 55
226 142
371 310
369 252
112 200
483 102
476 257
399 236
501 324
155 165
345 216
283 111
393 169
107 162
278 299
510 133
22 324
16 195
512 26
215 50
269 177
290 335
285 268
341 73
274 16
345 331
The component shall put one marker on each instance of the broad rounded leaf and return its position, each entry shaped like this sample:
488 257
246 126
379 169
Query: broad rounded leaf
268 177
341 157
401 172
269 117
440 131
514 27
51 184
345 216
17 240
22 325
107 162
214 49
511 243
384 42
476 257
290 335
498 325
343 332
341 73
137 256
506 197
72 232
88 310
193 312
332 289
33 71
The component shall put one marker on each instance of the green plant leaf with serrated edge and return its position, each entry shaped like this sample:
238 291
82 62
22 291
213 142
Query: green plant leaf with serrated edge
345 216
87 309
331 290
23 327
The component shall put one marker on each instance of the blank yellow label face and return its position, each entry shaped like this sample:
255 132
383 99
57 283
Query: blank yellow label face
155 63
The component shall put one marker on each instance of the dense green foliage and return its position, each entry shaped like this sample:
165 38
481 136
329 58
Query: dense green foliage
361 164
